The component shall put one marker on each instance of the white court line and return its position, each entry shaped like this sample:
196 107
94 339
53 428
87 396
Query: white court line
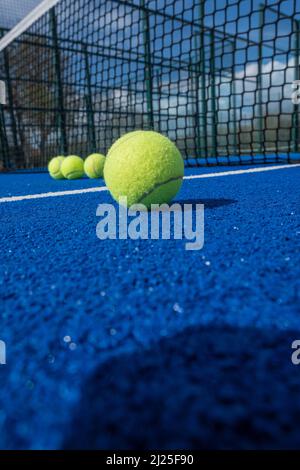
240 172
104 188
54 194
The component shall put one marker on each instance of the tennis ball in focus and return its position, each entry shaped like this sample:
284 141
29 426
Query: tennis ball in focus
72 167
54 168
144 166
93 165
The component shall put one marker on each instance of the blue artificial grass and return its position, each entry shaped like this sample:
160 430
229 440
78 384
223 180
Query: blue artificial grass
122 343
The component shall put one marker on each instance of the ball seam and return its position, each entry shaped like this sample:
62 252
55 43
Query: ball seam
94 169
73 173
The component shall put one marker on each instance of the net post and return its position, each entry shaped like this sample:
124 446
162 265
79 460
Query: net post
296 78
10 103
89 101
58 73
148 64
130 101
233 96
196 78
259 78
158 100
200 85
3 137
203 81
4 140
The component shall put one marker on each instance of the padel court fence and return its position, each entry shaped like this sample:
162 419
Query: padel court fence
216 76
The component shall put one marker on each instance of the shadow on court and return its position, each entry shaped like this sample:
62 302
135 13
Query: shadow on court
202 389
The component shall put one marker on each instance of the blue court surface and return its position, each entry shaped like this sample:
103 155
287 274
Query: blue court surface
141 344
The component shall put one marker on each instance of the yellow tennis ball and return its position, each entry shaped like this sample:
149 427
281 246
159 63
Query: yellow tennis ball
72 167
144 166
93 165
54 167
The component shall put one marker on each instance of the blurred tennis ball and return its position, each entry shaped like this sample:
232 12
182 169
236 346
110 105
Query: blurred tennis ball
54 167
93 165
144 166
72 167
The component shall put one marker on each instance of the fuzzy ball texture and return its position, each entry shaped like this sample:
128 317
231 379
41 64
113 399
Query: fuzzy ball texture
93 165
144 166
72 167
54 168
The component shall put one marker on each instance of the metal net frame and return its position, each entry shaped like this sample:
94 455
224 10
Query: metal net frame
215 76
